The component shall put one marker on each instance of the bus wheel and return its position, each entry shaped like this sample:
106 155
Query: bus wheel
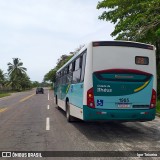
68 116
57 103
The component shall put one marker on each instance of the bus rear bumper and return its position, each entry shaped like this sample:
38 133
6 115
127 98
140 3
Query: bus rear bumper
90 114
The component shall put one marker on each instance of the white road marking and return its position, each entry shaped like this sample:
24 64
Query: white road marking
47 123
48 107
48 94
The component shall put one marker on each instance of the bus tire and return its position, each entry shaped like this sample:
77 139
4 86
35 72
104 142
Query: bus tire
57 103
68 116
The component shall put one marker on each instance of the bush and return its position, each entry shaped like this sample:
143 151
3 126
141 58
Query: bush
158 107
4 94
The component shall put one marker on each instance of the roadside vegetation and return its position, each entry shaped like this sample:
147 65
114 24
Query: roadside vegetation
51 75
16 79
4 95
158 107
135 21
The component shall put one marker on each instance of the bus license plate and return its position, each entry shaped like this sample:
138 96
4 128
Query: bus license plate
124 106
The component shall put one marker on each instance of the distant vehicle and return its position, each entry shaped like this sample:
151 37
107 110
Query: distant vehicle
109 80
40 90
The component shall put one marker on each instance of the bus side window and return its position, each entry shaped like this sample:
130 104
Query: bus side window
83 66
57 81
81 60
62 73
69 74
73 66
67 69
77 71
77 65
70 68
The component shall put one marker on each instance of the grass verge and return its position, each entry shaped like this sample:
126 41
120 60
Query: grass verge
158 107
4 94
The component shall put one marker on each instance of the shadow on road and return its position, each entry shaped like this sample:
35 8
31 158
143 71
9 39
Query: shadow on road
118 132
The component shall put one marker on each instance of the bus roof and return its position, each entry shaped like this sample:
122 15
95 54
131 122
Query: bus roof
124 44
110 43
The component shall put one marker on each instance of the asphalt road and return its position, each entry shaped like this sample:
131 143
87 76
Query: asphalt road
30 122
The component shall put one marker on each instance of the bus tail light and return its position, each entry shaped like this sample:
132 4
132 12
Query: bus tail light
153 99
90 98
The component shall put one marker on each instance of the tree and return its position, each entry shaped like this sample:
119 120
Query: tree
136 20
25 82
17 74
2 78
35 84
51 75
16 68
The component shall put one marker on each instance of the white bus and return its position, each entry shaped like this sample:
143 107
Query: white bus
109 80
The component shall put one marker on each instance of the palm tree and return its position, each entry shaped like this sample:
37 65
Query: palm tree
16 71
16 68
2 78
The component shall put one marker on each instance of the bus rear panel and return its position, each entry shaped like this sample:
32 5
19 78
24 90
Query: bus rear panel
123 84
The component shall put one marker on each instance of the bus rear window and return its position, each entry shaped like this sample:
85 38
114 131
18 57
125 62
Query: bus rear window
141 60
122 76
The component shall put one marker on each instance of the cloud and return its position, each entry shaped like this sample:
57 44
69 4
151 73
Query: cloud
40 31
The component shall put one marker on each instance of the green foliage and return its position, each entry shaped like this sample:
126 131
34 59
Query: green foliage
51 75
2 78
135 20
35 84
16 68
158 107
4 94
18 79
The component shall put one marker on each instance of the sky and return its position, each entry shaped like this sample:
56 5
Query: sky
38 32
